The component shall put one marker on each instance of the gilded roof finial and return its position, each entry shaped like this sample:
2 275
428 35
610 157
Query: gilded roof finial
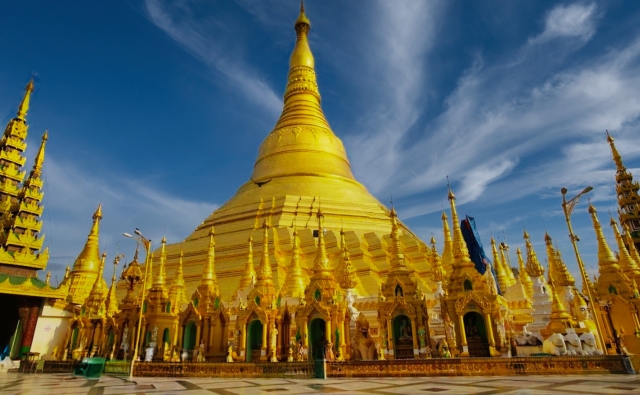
557 268
438 273
321 262
24 105
346 272
160 279
616 155
177 291
249 275
47 278
447 252
460 252
534 268
524 276
297 279
397 258
264 272
606 259
499 268
626 262
209 273
633 251
39 161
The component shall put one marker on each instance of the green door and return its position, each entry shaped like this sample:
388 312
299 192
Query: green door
317 337
254 338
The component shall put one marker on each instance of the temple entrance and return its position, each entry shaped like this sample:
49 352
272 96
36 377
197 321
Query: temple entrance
402 337
317 338
285 341
254 340
189 341
476 333
11 318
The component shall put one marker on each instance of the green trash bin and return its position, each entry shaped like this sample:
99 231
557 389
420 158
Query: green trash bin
90 368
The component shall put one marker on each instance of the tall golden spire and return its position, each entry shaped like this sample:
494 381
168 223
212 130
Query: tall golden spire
633 251
437 271
606 259
511 278
209 273
301 142
112 301
86 266
627 193
160 278
397 258
500 272
534 268
36 172
525 279
347 277
24 105
447 252
177 292
616 155
628 265
557 269
297 279
321 262
249 274
264 284
460 252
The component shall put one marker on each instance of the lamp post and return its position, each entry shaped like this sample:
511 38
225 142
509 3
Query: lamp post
567 207
139 238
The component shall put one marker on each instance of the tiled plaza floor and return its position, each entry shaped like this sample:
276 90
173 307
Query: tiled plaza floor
62 384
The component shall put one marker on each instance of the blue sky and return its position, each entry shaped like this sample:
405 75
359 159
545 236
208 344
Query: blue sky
157 108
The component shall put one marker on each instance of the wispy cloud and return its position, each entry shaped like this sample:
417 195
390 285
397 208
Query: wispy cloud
573 20
208 39
72 195
503 126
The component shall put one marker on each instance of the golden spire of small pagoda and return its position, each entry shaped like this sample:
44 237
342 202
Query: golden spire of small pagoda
525 279
438 273
98 286
249 274
347 277
633 251
511 278
500 271
86 266
557 269
447 252
616 155
460 252
23 108
209 274
177 291
112 301
606 259
297 279
534 268
264 284
160 278
36 172
558 310
628 265
397 256
321 261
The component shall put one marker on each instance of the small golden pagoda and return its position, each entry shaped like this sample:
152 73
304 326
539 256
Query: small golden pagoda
86 266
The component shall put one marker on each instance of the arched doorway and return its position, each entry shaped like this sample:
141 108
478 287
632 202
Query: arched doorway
317 338
189 341
476 333
403 337
254 340
285 336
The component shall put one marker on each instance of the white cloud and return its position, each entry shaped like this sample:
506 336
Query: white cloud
72 195
208 40
574 20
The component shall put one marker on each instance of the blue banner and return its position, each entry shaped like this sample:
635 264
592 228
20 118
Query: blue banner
476 251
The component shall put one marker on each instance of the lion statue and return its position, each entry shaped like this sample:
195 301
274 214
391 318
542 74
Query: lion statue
364 347
574 345
554 345
589 346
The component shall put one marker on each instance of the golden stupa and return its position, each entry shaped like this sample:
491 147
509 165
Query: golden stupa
301 166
